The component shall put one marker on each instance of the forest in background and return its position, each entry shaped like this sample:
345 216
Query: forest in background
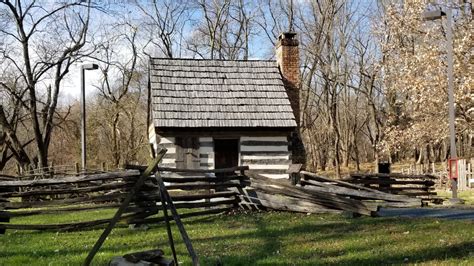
373 74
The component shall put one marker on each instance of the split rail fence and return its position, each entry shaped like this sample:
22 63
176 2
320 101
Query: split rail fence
198 192
318 194
419 186
195 192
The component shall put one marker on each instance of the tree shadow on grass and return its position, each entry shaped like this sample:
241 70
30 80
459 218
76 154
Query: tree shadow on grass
272 239
271 245
425 254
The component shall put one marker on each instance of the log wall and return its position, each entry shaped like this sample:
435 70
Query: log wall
170 157
269 156
206 153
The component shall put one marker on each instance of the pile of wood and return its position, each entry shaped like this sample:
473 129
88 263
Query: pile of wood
419 186
200 190
317 194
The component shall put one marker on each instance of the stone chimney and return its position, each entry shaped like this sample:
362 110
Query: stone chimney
288 59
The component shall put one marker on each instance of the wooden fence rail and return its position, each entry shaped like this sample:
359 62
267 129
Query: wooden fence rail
419 186
200 192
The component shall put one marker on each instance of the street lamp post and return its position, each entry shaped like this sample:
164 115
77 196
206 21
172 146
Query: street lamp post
434 15
84 67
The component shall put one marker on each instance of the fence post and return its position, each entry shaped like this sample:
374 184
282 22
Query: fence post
462 174
76 167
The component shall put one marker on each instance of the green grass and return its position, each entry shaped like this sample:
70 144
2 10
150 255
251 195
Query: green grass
467 196
273 238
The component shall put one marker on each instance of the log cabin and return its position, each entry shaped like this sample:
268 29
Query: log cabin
213 114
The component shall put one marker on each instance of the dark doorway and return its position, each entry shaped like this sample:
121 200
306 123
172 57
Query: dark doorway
226 153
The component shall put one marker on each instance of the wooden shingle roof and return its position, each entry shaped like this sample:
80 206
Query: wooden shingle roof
218 93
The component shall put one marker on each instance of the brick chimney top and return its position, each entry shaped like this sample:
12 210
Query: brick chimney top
287 39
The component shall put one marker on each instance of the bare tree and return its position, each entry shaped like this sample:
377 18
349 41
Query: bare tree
118 123
41 43
225 30
164 22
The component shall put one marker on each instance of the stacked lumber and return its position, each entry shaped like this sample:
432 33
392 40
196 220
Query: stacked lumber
282 195
419 186
367 195
317 194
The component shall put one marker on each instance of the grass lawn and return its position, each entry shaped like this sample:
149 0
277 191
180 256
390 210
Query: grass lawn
467 196
266 238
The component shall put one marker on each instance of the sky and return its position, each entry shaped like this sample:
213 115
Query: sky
260 46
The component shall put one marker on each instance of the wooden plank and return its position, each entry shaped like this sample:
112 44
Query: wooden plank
177 170
69 179
285 203
268 154
393 175
397 189
395 182
184 235
187 205
125 203
267 171
359 194
263 143
79 200
203 179
274 161
167 222
195 186
309 175
183 216
71 190
273 186
199 196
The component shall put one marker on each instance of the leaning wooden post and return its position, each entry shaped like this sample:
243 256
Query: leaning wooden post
167 221
141 180
76 168
184 235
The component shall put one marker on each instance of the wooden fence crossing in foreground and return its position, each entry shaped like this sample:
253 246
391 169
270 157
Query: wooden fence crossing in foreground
200 192
197 192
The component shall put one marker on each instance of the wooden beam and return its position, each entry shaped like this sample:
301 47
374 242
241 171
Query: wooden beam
184 235
360 194
69 179
125 203
183 170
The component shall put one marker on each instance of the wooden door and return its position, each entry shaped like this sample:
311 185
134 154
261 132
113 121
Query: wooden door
187 152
